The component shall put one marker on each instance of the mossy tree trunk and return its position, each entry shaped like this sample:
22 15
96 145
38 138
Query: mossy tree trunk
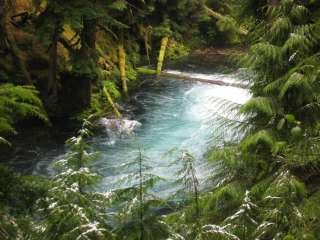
8 39
164 44
111 102
122 67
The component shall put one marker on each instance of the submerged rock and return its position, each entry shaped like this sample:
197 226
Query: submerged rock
118 126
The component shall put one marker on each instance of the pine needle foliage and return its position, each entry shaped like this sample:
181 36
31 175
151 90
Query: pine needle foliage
188 178
72 210
138 210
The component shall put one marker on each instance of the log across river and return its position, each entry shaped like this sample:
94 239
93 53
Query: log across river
168 118
205 78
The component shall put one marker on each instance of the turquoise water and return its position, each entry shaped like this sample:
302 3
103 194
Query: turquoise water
176 117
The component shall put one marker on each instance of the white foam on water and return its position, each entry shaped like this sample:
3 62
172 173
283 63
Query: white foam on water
179 120
180 117
226 78
212 99
117 128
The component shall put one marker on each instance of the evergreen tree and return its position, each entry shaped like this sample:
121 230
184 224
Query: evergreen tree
139 218
71 209
189 180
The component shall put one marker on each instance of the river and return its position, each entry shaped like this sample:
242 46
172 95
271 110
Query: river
176 117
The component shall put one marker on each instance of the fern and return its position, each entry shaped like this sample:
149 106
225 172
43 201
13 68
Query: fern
261 137
280 29
297 42
296 80
265 52
261 105
299 13
17 103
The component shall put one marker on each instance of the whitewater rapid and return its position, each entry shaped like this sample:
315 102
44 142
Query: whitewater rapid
174 117
167 118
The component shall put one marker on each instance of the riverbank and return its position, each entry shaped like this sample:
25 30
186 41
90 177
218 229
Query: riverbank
178 122
221 60
36 148
215 61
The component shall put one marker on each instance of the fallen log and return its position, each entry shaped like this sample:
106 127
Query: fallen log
216 82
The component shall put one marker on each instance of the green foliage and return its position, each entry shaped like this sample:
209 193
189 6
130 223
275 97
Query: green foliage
266 179
17 103
8 227
279 150
216 232
18 200
224 199
70 210
176 51
188 178
259 104
262 138
138 218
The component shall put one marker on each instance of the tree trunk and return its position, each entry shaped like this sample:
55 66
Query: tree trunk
122 68
8 39
164 44
145 33
146 46
88 52
53 66
112 104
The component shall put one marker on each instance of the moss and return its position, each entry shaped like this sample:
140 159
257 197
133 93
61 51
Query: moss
146 71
